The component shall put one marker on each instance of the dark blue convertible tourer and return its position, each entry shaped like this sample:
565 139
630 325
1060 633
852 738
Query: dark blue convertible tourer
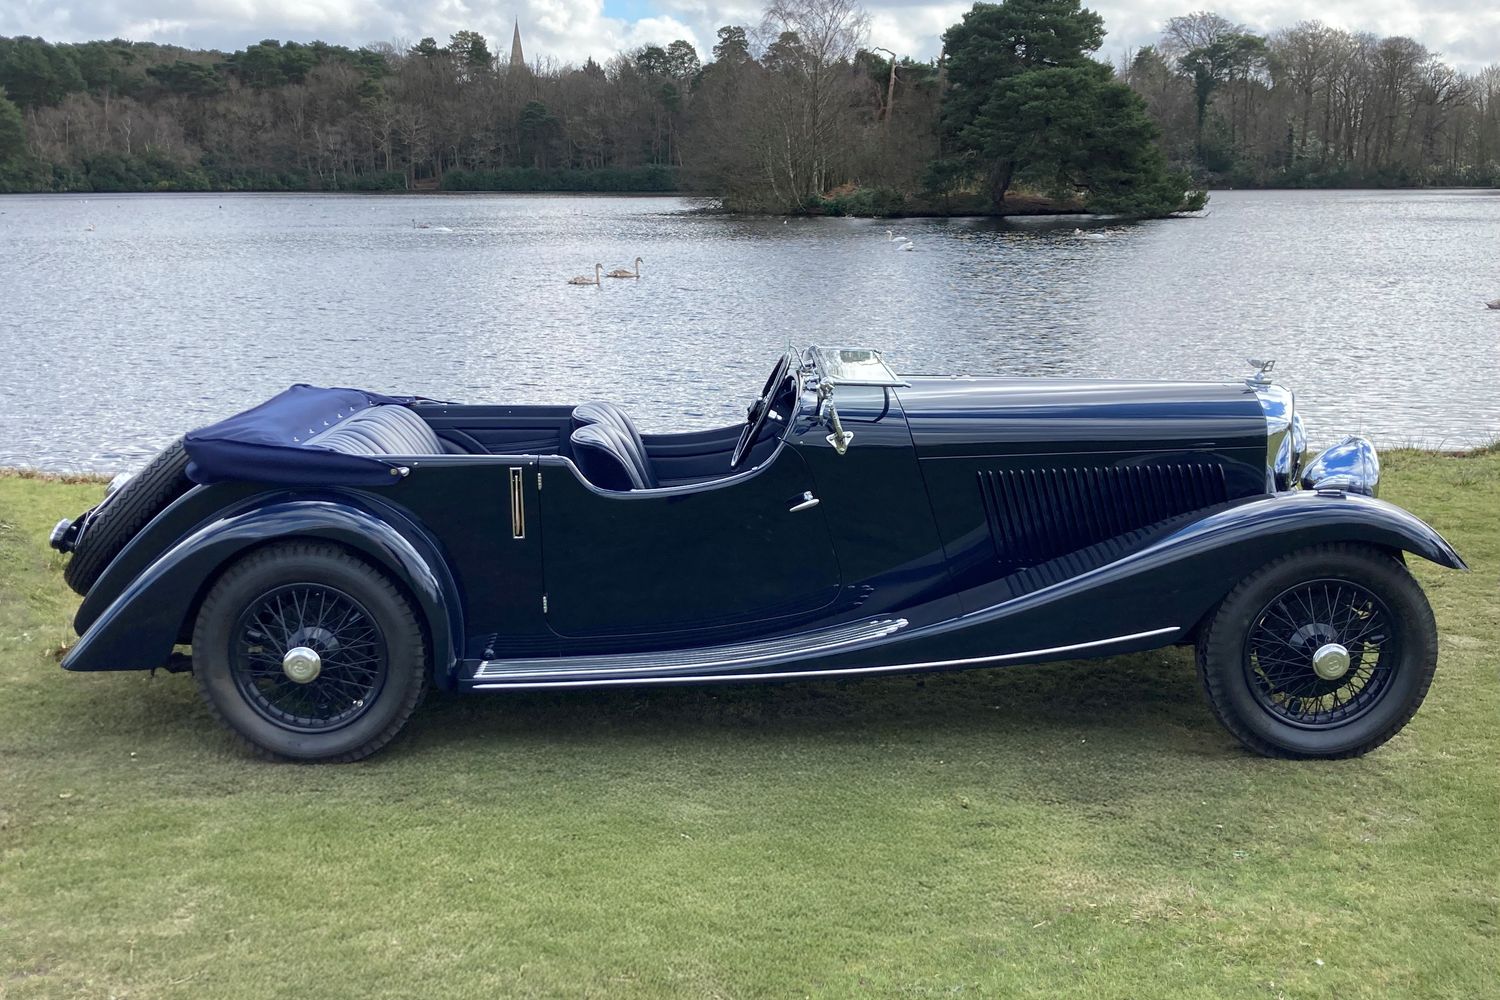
330 553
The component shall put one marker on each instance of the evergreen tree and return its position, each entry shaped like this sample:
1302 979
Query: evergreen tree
1030 105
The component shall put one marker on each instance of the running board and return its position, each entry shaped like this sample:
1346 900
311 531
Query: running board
1091 648
742 654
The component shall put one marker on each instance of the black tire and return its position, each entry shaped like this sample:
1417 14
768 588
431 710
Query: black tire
115 521
373 670
1255 655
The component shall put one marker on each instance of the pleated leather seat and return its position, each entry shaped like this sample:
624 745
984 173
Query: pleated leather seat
609 450
380 430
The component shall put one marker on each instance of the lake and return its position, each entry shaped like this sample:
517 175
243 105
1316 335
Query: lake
127 319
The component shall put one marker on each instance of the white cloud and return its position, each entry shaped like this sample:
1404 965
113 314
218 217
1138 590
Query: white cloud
572 30
661 31
153 28
1465 34
915 30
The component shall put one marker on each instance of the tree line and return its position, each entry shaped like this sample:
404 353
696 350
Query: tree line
795 113
1312 105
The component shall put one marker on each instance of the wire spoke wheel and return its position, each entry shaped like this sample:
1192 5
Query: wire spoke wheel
1321 653
308 653
308 657
1325 652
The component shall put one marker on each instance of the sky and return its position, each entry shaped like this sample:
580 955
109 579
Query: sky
1465 32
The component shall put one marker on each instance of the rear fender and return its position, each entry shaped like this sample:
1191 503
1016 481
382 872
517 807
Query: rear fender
139 627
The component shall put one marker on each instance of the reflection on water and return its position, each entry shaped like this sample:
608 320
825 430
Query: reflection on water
178 309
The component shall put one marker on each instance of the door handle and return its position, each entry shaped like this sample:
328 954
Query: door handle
805 502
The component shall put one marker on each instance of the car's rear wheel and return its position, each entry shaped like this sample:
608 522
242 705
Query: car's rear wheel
307 653
1326 652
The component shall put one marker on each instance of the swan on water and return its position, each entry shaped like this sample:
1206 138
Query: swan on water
584 279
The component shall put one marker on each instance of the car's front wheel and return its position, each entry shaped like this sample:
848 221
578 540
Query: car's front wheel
1326 652
307 653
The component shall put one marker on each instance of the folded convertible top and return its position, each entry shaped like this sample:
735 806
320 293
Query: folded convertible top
285 440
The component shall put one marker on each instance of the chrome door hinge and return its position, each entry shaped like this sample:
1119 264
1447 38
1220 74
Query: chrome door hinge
544 604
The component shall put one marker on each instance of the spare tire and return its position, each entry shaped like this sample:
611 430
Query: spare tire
114 522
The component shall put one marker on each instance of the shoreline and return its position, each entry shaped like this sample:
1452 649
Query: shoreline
1024 206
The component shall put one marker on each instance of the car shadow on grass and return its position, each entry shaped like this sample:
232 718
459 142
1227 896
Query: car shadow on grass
1052 724
1144 693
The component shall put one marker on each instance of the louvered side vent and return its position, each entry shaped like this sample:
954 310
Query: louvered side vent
1040 514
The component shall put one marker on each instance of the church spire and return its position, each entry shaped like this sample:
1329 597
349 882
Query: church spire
517 57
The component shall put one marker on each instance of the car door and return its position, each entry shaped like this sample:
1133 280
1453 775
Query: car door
712 558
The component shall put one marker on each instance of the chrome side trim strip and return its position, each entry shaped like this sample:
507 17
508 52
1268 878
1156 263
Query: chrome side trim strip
700 659
842 671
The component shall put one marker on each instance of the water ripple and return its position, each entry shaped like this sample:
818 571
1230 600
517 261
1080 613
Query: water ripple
179 309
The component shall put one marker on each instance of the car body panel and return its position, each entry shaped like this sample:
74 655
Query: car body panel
715 556
1155 595
1023 470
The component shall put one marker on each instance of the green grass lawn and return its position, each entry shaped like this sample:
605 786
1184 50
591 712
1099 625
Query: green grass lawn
1079 829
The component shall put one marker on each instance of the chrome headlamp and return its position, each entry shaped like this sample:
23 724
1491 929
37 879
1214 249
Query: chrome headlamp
1351 466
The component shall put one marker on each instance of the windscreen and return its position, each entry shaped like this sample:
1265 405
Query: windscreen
853 366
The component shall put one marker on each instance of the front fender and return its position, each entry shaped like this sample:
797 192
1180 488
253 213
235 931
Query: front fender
1296 519
139 627
1157 594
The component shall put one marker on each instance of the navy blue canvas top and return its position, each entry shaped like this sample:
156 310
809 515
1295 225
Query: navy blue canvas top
273 442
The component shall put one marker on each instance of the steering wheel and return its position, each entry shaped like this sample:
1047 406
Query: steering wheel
755 416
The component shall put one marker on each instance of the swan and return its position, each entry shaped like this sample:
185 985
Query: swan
908 245
1493 304
891 237
91 229
584 279
622 272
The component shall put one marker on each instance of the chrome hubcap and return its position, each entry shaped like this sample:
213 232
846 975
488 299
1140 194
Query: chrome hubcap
1331 661
302 664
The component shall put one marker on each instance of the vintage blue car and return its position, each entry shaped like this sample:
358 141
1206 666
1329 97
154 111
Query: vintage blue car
330 553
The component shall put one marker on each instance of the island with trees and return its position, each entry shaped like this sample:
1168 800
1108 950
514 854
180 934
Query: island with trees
796 114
